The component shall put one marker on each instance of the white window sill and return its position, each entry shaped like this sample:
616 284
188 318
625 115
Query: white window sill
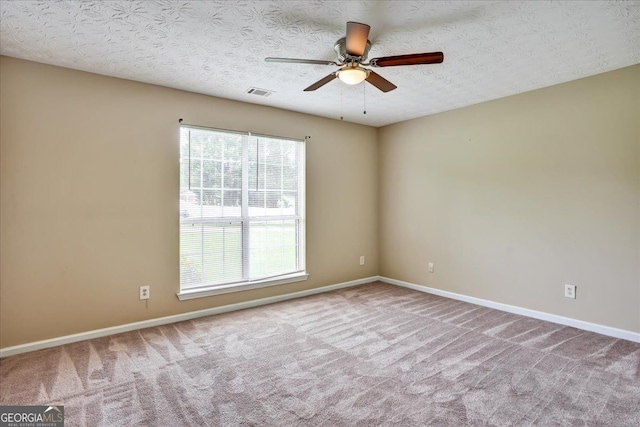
237 287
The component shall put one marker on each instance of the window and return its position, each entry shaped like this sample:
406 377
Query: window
241 211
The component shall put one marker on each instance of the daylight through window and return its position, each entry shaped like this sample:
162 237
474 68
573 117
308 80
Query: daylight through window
241 210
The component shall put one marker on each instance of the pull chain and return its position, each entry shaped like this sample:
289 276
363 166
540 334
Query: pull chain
341 109
364 95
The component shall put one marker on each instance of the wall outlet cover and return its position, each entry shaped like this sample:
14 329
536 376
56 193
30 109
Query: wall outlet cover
570 291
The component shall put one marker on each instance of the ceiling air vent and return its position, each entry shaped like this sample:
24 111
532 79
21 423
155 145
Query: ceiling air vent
259 92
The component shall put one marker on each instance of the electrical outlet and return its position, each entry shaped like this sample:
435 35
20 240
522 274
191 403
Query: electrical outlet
362 260
430 267
570 291
144 292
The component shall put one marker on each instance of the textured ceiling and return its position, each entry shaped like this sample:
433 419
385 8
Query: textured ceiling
492 49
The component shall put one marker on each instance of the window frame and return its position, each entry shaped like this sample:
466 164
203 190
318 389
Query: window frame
245 219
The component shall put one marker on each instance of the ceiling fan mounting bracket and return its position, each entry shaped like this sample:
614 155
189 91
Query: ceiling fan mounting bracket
341 50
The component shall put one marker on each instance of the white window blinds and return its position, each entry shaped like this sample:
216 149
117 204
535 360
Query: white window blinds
241 207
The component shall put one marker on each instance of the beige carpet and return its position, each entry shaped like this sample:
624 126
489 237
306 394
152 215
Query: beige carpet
371 355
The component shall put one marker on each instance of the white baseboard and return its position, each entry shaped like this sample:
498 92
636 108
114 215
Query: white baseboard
67 339
580 324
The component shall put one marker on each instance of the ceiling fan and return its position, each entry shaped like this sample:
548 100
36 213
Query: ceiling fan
352 51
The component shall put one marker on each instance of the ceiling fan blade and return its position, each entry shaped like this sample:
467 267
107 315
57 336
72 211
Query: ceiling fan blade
380 82
357 35
414 59
321 82
301 61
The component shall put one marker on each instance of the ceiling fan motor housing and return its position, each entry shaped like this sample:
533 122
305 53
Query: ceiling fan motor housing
341 50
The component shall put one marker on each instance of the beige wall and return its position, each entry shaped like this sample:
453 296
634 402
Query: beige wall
513 198
89 200
510 199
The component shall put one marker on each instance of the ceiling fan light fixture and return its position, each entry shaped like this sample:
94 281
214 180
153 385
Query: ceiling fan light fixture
353 75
